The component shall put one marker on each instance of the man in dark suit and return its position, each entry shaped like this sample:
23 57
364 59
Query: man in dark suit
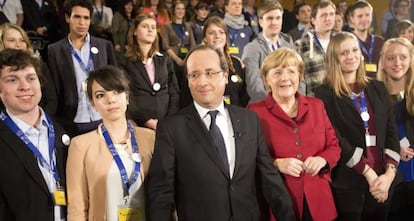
209 157
32 146
70 61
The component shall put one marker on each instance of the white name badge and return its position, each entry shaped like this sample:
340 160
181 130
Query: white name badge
370 140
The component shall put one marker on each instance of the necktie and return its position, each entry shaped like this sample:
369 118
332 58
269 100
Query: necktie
217 138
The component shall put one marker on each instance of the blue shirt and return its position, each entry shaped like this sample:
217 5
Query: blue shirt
85 113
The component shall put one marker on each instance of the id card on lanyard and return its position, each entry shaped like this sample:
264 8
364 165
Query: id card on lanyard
370 66
85 67
127 210
370 140
59 193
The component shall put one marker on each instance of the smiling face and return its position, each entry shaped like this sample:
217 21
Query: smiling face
12 38
179 11
20 90
207 92
349 56
396 62
283 81
111 105
361 19
271 23
215 36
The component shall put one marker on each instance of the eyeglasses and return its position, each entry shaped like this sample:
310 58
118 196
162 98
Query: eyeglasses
209 75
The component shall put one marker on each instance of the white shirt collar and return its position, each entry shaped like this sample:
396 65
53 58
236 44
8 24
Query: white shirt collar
204 111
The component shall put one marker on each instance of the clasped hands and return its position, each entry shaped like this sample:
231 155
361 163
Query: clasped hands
379 185
294 167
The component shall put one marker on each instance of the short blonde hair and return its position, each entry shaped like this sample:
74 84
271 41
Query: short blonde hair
281 57
409 83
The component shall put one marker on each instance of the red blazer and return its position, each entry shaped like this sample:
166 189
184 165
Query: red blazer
310 134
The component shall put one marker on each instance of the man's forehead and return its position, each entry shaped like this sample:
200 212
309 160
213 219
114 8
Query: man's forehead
12 70
203 59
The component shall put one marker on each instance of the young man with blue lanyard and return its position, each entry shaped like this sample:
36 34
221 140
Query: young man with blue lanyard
70 61
360 18
32 146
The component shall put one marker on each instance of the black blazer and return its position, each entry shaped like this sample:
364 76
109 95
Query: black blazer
186 170
63 75
350 130
24 194
146 103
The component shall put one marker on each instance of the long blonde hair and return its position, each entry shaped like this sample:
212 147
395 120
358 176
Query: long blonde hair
8 26
334 76
409 81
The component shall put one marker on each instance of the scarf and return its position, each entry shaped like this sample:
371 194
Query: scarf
235 22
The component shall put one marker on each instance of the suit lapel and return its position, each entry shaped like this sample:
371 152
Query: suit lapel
26 157
202 136
143 72
69 80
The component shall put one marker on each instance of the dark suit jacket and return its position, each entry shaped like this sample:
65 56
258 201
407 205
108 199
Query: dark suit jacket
185 169
63 75
24 194
35 17
146 103
351 132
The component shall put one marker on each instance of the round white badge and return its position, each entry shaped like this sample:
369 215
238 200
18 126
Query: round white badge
186 33
136 157
66 139
94 50
156 86
234 78
242 35
365 116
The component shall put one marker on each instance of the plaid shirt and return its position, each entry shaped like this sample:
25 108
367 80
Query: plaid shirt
314 61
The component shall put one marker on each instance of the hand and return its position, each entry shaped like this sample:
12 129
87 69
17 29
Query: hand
290 166
406 153
380 187
152 123
180 62
41 30
313 165
117 48
370 176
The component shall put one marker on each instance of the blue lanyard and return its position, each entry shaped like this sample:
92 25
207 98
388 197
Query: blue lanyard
371 48
3 4
318 42
401 129
361 106
180 30
51 166
124 176
233 37
273 46
85 68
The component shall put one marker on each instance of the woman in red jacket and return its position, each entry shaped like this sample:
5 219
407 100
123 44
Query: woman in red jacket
299 135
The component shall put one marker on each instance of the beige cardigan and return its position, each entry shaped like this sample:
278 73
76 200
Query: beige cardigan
88 163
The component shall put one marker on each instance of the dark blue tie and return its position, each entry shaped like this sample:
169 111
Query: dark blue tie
217 138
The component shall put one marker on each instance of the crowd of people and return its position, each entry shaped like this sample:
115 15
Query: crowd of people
181 110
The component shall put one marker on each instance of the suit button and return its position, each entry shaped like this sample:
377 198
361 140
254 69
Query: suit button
296 130
298 142
153 93
299 155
